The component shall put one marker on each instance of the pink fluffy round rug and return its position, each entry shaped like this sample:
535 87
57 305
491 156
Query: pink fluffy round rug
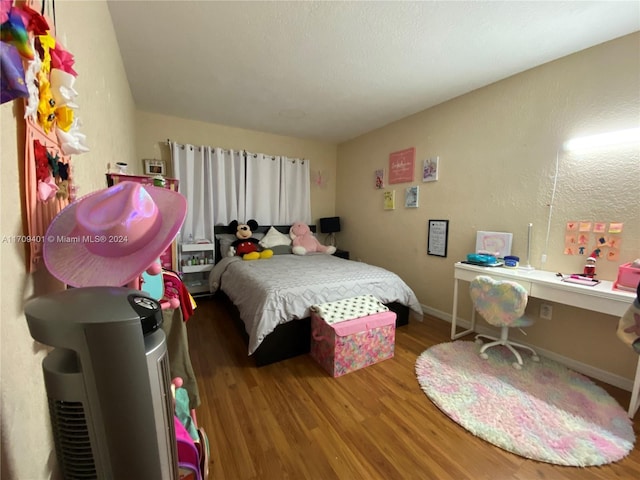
545 411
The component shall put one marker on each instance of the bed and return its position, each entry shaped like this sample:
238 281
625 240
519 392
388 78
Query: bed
272 298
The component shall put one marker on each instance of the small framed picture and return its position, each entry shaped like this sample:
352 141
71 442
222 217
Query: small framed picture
438 237
389 199
155 167
411 197
379 178
430 169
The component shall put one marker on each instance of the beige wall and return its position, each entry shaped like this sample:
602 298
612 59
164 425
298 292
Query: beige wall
106 111
153 131
497 148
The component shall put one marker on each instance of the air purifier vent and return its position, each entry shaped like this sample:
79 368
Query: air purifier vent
71 438
160 378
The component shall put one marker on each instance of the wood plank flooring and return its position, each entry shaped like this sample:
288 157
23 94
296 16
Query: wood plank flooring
291 420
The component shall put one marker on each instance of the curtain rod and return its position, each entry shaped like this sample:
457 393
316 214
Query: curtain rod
228 150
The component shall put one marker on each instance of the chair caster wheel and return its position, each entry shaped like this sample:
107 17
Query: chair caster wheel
535 358
517 366
484 355
478 341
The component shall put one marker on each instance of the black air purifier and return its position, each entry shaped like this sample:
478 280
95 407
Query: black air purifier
107 382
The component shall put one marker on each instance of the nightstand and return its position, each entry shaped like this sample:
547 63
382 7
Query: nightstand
195 262
342 254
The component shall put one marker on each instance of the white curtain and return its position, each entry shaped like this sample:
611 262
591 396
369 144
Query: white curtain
295 191
224 185
262 199
227 185
191 167
278 189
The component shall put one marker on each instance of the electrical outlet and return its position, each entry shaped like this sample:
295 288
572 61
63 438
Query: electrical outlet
546 311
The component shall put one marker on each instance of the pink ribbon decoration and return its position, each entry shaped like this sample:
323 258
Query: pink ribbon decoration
47 189
62 59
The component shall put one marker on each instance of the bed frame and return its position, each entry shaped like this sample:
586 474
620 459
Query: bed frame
288 339
292 338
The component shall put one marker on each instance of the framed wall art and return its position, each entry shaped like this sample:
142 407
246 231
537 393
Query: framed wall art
430 169
389 199
155 167
379 178
438 237
411 197
401 166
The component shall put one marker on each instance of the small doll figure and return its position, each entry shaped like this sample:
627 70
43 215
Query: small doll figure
590 267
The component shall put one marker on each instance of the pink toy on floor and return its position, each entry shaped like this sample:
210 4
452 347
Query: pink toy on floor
304 242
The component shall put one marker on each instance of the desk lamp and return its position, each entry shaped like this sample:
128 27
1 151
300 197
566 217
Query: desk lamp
330 225
528 267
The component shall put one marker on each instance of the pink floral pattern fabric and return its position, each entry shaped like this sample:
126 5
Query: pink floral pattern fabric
544 412
339 355
501 303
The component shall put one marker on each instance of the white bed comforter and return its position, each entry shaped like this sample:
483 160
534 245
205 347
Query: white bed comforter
284 287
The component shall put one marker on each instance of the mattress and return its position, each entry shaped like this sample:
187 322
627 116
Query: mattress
285 287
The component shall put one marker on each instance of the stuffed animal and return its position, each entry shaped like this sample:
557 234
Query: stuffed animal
246 246
304 242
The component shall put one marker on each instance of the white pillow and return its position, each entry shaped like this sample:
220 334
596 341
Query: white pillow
274 238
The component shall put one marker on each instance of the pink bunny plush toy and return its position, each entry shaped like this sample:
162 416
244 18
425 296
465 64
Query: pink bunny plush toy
304 242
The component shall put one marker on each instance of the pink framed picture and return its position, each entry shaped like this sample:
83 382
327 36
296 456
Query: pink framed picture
401 166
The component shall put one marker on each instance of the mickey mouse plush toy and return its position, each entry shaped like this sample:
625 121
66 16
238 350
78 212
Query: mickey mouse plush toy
246 246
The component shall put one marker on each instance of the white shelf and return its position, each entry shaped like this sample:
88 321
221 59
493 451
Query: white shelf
197 247
196 277
194 289
196 268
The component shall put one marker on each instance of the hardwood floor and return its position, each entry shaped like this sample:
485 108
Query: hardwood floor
291 420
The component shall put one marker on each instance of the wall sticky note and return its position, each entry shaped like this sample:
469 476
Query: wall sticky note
615 227
572 226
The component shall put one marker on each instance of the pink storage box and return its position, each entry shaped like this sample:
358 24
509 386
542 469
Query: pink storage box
628 278
346 346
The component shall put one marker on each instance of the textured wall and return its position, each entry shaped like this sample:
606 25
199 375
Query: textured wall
497 148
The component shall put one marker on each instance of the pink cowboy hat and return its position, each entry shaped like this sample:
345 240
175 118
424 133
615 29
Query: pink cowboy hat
111 236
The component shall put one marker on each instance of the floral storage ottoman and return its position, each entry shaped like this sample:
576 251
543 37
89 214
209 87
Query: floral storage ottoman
341 343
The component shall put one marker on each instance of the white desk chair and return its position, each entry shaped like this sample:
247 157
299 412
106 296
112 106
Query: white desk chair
502 304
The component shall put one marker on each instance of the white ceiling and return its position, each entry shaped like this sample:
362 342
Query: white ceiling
334 70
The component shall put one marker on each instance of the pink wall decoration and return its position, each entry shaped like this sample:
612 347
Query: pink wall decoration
401 166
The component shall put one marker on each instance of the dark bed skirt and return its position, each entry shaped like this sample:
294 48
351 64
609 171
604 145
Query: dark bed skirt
292 338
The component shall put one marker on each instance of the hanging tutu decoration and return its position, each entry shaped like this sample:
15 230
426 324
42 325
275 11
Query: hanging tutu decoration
36 67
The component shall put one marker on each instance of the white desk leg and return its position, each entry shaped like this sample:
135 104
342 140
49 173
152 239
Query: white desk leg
454 312
454 315
635 401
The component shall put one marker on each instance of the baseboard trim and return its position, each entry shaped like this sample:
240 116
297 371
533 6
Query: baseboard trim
584 368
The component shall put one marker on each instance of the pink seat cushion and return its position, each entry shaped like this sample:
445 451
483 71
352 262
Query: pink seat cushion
501 303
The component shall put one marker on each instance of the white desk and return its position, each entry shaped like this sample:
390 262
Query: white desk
547 286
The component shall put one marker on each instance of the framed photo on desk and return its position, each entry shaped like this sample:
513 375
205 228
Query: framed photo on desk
155 167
